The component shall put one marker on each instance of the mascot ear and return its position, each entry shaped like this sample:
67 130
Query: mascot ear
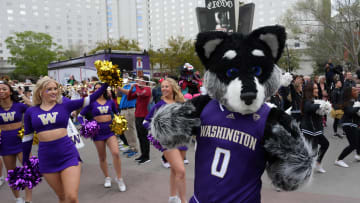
274 37
206 44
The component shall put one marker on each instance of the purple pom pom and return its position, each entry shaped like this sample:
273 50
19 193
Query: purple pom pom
89 129
27 176
155 143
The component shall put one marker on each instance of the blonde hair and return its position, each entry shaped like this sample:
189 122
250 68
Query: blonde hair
178 96
40 86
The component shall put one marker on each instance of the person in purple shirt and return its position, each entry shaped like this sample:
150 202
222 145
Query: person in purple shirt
11 114
171 93
101 111
59 160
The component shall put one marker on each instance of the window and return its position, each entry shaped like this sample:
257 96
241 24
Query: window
1 51
36 13
47 27
22 6
10 18
34 7
9 11
23 13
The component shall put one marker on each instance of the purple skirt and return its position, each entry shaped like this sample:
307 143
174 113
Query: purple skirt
158 146
104 132
11 143
57 155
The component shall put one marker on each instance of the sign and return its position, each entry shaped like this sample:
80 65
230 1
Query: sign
74 135
218 15
139 63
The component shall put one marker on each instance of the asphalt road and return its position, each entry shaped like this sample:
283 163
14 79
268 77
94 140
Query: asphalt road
149 182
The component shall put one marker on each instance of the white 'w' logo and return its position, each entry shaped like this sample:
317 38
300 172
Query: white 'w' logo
49 117
9 116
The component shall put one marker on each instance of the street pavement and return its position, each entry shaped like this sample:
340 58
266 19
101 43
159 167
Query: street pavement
149 182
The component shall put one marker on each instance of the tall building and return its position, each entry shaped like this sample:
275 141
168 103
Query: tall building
69 22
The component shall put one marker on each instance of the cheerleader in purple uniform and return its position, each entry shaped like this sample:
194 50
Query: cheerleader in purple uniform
101 111
59 160
171 94
11 114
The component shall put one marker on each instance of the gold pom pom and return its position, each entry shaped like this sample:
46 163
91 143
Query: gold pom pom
35 139
119 124
108 73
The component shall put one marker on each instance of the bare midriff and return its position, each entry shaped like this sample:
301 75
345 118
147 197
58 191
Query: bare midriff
50 135
11 126
103 118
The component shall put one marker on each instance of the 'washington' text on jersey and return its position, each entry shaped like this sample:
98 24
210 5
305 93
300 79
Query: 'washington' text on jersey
48 117
229 134
8 116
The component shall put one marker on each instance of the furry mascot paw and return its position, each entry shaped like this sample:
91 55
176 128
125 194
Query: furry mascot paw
286 79
172 125
325 107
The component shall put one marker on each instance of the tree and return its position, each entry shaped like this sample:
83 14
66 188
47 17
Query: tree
72 52
120 44
336 37
289 61
178 52
31 52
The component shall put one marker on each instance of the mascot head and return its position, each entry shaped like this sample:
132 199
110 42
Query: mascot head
241 71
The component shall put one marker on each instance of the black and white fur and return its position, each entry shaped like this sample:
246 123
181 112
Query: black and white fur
241 73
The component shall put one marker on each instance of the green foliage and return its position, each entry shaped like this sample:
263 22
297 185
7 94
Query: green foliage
336 37
179 52
289 61
31 52
120 44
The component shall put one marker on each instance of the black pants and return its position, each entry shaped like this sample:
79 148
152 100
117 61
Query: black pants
123 138
318 140
335 125
352 135
142 135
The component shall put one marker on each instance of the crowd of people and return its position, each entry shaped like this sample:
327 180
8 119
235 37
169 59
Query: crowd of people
47 106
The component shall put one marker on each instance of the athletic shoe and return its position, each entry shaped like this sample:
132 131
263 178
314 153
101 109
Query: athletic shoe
144 161
2 180
174 199
127 152
131 154
341 163
165 164
107 183
123 148
121 184
186 161
139 158
19 200
357 157
320 169
338 135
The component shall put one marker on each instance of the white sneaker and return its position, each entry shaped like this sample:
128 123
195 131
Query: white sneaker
320 169
2 180
341 163
165 164
19 200
186 161
121 184
357 157
107 183
124 148
174 199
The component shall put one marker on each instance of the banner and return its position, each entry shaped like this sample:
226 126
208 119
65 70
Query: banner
217 15
74 135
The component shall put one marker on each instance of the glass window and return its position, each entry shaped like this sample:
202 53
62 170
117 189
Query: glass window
22 12
9 11
8 3
22 6
10 18
34 7
46 8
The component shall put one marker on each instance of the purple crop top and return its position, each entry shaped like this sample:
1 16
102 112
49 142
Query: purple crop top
97 109
14 114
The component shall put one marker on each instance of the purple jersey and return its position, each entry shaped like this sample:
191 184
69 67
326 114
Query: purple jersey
97 109
229 159
13 115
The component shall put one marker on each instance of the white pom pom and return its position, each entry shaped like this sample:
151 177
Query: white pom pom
356 104
325 107
285 79
271 105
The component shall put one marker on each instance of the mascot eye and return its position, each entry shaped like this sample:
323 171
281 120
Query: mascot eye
232 72
257 70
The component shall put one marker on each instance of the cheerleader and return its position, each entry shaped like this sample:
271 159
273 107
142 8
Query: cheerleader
171 93
59 160
11 114
101 111
311 123
350 122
